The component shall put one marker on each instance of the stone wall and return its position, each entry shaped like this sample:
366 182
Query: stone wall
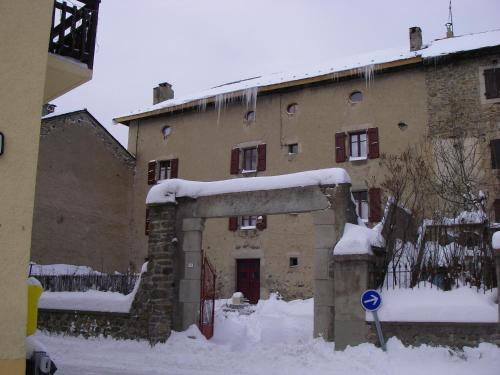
83 197
456 335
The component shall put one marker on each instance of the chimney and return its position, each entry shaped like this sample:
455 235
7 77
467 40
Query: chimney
415 38
162 92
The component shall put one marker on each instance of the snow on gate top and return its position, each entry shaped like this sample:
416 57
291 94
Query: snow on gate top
167 190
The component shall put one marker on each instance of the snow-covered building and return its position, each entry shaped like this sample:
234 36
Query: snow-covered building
345 114
83 195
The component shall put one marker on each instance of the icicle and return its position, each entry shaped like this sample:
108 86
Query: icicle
202 105
250 98
368 72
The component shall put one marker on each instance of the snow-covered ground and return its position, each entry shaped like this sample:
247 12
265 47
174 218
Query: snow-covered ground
276 339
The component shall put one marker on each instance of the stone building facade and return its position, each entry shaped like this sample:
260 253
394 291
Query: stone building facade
83 195
263 127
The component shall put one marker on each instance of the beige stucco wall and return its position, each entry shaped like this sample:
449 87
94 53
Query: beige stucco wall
203 145
22 77
83 194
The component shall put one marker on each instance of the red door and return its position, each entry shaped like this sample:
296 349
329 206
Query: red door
248 278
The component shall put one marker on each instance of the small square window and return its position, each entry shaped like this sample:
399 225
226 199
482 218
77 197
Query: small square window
293 261
248 222
293 149
361 202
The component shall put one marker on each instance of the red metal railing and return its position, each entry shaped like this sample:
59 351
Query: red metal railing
207 297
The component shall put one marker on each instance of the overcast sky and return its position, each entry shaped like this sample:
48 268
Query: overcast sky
197 44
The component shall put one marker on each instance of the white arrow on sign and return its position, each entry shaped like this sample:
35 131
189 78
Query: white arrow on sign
372 300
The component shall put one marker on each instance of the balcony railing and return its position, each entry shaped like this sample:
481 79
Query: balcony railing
74 27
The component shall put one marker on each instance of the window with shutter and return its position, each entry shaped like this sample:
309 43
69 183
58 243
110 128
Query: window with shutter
233 223
374 202
261 222
174 168
152 172
373 143
361 201
492 83
340 154
235 161
261 155
495 153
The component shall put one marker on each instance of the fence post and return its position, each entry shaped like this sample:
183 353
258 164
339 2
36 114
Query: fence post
496 253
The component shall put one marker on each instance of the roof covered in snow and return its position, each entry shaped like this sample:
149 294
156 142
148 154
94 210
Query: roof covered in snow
167 190
363 65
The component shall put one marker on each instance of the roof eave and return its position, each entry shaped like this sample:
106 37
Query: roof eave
125 120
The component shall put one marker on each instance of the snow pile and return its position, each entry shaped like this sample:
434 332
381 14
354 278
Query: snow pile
426 304
273 322
33 282
358 239
276 339
495 241
168 190
60 269
91 300
364 65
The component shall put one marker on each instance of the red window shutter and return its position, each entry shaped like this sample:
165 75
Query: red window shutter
491 78
496 208
152 172
174 168
146 229
374 203
233 223
340 155
261 157
235 161
262 224
373 143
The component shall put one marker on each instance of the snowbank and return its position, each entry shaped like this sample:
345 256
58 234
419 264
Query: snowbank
60 269
276 339
426 304
168 190
358 240
91 300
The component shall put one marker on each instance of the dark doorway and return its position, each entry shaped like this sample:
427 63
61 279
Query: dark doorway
248 278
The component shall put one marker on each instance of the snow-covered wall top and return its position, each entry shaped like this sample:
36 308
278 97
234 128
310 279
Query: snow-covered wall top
358 240
363 64
168 190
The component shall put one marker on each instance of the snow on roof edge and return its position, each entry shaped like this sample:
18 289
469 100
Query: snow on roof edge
363 65
168 190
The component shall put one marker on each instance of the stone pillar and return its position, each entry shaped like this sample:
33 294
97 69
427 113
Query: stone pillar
157 292
325 237
189 287
352 278
496 253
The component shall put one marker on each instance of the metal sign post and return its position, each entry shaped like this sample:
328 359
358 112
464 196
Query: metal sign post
371 301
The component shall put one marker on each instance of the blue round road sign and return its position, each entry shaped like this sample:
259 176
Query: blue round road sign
371 300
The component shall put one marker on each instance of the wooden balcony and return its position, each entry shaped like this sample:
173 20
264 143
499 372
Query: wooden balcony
71 46
73 32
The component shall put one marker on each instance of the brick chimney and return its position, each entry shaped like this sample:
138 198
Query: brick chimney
162 92
415 38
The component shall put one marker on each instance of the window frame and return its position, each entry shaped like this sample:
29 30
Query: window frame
358 142
357 196
292 146
168 169
247 222
253 159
